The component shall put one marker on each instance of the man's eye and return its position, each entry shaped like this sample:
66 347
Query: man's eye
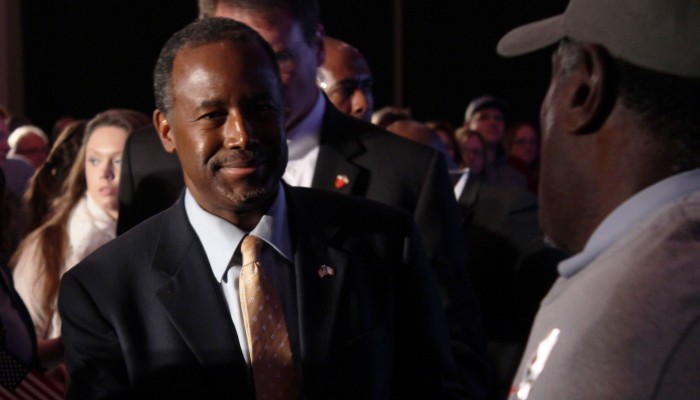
264 108
213 115
348 90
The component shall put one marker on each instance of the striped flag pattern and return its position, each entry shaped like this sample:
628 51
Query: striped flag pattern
18 382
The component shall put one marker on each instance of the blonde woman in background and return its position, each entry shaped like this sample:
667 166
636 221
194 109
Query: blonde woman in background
83 218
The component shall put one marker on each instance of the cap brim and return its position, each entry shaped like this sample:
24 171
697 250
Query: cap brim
531 37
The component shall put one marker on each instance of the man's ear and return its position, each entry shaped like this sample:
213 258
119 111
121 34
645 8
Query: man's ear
164 133
593 91
320 46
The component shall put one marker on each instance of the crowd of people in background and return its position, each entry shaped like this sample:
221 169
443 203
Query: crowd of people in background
473 189
59 212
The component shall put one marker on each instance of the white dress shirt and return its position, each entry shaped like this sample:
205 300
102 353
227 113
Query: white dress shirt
303 141
221 239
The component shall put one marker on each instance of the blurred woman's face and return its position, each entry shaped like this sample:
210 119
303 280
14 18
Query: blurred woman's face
473 155
103 158
525 144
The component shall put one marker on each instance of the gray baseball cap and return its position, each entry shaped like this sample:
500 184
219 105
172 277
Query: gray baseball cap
659 35
486 102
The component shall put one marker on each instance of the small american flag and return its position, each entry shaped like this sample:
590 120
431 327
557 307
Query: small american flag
326 270
17 381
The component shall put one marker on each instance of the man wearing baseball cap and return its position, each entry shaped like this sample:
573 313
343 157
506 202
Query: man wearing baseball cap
620 190
487 115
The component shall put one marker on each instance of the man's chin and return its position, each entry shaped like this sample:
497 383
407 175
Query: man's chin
250 199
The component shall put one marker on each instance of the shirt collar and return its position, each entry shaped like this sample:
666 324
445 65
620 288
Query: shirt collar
635 209
306 135
221 238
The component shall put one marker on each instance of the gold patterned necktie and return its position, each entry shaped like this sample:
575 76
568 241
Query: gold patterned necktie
268 339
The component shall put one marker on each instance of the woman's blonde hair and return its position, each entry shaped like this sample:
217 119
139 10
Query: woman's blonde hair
52 236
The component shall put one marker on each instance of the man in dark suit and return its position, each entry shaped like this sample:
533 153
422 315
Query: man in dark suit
332 151
156 313
510 265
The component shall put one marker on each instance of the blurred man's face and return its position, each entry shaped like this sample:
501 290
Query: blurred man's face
490 123
347 80
297 59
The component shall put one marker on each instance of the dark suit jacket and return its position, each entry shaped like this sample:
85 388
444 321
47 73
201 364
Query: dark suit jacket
379 166
144 315
150 180
510 266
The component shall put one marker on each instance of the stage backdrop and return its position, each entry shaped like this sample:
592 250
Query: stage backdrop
83 56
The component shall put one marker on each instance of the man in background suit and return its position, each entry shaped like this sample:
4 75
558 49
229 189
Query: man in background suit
155 313
332 151
620 191
511 268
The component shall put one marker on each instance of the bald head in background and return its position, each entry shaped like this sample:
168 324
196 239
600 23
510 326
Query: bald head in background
346 79
420 133
413 130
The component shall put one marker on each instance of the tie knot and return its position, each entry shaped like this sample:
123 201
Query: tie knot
250 249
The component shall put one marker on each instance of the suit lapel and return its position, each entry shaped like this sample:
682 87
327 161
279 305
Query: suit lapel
468 199
191 296
335 169
317 295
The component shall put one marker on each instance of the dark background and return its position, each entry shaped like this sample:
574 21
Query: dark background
84 56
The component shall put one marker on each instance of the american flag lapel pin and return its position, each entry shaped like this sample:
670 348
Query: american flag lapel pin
341 181
326 270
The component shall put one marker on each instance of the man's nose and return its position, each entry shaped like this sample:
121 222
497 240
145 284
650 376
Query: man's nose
360 102
236 132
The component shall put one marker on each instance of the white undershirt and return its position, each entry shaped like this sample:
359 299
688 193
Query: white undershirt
303 142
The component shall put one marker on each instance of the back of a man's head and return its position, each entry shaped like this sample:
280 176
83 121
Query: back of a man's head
306 12
413 130
620 113
651 55
385 116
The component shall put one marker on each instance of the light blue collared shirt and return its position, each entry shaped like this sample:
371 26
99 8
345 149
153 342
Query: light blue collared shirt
221 239
634 210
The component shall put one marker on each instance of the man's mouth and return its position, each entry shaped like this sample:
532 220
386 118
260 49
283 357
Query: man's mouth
239 162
